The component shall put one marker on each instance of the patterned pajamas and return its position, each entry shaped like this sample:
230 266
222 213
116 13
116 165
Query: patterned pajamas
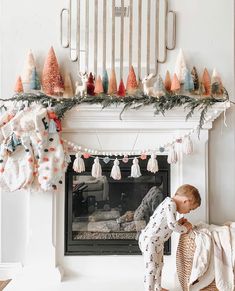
152 238
153 262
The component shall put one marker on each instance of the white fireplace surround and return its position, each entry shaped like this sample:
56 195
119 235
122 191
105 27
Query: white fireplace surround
102 130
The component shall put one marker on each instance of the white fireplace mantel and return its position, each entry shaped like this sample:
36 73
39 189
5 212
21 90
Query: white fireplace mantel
103 130
90 117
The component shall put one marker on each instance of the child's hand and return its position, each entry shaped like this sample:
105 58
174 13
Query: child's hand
188 225
182 220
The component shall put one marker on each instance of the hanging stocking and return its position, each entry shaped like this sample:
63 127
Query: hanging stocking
3 158
152 165
135 169
172 155
78 164
187 146
115 172
51 155
96 170
19 167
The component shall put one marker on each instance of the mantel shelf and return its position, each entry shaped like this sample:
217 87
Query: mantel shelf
93 117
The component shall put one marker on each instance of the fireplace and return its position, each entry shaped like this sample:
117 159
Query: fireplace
103 215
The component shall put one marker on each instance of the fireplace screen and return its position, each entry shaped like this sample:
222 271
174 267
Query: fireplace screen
105 216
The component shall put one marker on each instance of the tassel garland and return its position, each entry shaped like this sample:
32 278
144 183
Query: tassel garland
78 164
172 156
187 146
152 165
115 172
96 170
135 169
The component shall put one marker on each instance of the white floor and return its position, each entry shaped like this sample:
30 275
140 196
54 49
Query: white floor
83 283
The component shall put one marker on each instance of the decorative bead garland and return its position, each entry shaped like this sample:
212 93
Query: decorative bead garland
152 164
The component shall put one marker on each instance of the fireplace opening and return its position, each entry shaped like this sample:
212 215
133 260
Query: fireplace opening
104 216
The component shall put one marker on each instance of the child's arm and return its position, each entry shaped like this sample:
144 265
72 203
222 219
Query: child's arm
172 223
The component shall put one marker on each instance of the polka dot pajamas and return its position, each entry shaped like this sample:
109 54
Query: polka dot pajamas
151 241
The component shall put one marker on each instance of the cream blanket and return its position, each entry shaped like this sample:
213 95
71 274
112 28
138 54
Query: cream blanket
214 257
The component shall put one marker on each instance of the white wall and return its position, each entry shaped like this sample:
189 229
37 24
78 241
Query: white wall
205 31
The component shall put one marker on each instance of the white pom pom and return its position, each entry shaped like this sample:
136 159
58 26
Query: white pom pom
135 169
96 170
152 165
115 172
187 146
172 155
78 164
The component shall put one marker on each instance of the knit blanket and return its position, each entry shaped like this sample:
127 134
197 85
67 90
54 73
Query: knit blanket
205 258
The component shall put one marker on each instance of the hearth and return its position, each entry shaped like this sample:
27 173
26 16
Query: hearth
102 215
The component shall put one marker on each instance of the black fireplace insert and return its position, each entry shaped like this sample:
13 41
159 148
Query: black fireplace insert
104 216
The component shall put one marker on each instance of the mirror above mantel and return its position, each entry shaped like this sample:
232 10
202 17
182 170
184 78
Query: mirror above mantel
115 34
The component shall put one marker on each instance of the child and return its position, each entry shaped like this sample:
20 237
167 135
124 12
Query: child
160 227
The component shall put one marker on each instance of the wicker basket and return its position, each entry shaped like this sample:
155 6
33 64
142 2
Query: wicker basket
184 261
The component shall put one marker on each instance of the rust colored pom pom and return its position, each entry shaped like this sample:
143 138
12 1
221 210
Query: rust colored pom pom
86 156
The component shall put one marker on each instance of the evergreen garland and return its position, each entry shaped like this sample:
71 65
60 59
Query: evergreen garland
136 101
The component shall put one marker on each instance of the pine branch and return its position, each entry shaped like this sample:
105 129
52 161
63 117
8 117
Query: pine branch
137 101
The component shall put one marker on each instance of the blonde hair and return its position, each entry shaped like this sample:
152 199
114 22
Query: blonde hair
190 192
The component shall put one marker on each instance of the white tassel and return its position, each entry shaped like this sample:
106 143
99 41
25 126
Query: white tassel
96 170
78 164
152 165
135 169
188 146
115 172
172 156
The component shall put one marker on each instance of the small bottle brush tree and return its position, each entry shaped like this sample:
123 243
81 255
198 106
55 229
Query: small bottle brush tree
90 85
216 83
188 82
52 82
112 83
105 81
35 82
98 86
180 67
19 86
195 79
131 85
206 80
175 85
167 82
121 89
160 88
29 67
68 87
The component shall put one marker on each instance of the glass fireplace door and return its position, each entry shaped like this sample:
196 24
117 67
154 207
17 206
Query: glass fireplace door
105 216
